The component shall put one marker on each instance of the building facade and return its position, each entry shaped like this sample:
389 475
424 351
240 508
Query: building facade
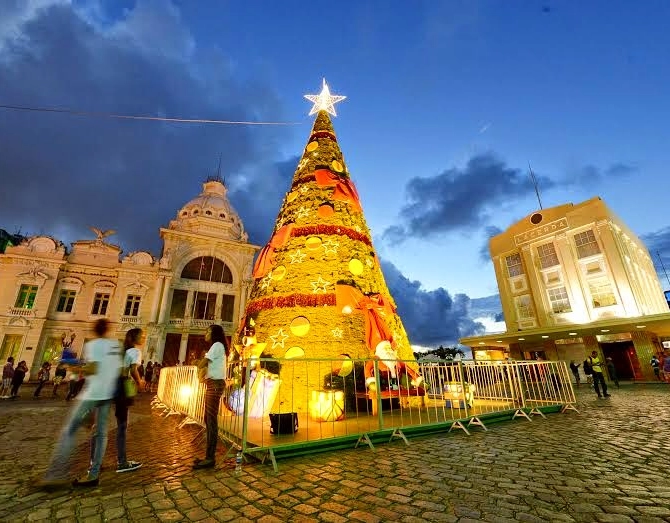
50 295
573 279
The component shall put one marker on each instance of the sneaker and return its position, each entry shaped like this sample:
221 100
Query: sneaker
128 466
86 481
607 395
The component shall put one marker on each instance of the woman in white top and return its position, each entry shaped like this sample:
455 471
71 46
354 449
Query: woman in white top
216 361
131 361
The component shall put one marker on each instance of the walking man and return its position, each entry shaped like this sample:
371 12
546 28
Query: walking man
102 368
598 378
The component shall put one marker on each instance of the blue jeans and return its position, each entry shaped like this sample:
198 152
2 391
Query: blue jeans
60 461
121 413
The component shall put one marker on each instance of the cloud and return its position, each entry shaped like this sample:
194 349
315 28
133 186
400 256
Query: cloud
71 172
460 198
658 242
433 317
489 232
591 174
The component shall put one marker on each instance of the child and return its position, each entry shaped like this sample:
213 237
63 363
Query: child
7 375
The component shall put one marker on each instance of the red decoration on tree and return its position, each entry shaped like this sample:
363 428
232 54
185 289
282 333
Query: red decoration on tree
312 230
292 300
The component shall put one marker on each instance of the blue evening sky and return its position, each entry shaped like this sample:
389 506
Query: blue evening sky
447 104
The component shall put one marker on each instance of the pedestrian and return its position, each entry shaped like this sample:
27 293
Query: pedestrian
59 376
19 375
597 372
215 361
656 365
666 365
574 367
588 371
140 370
148 376
7 375
611 370
155 377
102 367
43 377
131 357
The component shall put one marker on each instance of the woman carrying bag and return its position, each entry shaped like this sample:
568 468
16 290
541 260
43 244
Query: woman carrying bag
213 368
128 384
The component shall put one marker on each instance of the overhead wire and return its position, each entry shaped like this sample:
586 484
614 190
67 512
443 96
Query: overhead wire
95 114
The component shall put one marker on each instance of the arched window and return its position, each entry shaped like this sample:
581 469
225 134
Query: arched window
207 268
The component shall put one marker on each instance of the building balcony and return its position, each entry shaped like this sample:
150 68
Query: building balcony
19 311
176 322
132 320
201 324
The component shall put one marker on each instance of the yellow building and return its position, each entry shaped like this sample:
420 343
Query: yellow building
48 292
573 279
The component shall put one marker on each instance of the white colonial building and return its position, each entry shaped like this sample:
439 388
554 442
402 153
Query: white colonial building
49 293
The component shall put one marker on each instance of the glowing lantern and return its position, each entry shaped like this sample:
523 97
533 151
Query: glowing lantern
185 392
327 405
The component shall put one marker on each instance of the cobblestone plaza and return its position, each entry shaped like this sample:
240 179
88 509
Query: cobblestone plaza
607 463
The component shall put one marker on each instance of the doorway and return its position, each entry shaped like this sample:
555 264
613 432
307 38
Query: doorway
195 349
171 351
624 358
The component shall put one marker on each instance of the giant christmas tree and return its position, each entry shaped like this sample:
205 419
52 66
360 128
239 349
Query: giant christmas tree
318 289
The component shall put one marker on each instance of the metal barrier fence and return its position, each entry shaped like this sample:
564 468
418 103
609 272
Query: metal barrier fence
297 406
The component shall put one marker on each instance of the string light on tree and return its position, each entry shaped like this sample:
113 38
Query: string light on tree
279 339
297 257
320 286
331 246
337 333
324 101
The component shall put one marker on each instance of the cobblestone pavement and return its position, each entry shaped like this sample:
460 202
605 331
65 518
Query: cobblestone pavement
611 462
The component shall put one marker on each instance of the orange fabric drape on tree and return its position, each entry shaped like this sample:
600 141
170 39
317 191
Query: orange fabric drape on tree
267 255
344 189
374 308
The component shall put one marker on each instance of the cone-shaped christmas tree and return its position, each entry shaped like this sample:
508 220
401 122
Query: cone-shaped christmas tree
318 289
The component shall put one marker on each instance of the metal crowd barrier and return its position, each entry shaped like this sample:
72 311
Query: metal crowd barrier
276 407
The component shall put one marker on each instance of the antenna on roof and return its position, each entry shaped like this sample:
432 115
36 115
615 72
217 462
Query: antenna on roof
217 177
663 266
535 185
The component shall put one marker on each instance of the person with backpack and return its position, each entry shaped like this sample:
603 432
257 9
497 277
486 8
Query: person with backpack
597 372
574 367
656 365
588 371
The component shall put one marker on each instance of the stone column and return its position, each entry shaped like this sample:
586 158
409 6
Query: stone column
155 306
190 296
645 347
182 347
165 301
217 307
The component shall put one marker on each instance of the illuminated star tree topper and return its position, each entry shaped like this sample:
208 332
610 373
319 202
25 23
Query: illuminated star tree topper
324 101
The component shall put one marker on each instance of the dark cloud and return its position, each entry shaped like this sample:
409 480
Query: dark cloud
460 199
658 243
258 203
433 317
588 175
62 173
489 232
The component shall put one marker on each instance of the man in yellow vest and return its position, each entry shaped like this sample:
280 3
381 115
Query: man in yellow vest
598 377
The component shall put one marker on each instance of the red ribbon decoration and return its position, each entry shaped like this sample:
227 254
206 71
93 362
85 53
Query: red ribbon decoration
373 307
266 257
344 188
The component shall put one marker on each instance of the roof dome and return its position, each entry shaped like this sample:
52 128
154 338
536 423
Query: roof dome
210 212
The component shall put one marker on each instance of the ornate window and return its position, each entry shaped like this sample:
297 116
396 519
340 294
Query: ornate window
548 256
524 307
26 297
586 244
514 266
227 307
66 300
601 293
207 268
132 305
100 304
558 297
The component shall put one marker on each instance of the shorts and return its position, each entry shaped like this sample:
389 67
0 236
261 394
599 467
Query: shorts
7 383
